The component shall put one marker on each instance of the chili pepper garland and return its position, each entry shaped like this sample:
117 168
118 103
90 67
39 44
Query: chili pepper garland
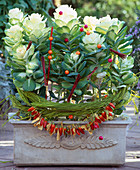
72 129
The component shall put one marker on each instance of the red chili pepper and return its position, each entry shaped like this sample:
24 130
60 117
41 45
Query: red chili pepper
42 122
56 129
60 131
104 115
110 114
34 112
52 128
72 131
109 108
68 131
97 120
31 109
102 119
81 130
96 125
64 130
77 131
91 125
45 124
37 115
112 105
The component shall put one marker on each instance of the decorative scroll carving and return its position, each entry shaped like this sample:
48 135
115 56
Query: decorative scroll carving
70 143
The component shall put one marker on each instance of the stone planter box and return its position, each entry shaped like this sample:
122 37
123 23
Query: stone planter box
36 148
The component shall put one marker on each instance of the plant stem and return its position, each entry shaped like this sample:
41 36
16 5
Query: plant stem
51 90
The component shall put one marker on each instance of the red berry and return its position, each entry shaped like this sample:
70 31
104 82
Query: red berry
66 40
81 29
85 26
110 60
60 13
101 138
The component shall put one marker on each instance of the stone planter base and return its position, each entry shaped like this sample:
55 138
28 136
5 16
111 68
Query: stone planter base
36 148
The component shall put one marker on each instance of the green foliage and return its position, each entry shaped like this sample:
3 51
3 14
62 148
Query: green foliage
122 9
64 109
25 6
82 64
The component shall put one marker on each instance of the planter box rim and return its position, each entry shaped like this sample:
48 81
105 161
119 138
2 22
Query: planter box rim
115 121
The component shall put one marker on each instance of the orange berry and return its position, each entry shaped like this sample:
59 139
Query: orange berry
99 46
50 38
88 33
105 96
67 72
49 57
78 52
50 51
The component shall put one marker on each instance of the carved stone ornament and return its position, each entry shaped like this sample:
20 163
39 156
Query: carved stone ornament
70 143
